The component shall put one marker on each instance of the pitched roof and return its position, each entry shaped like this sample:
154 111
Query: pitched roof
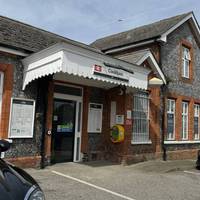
22 36
138 57
134 57
143 33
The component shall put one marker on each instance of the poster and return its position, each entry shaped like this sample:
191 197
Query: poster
95 118
22 118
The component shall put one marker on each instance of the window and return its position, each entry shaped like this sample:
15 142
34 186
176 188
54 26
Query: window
170 119
141 118
1 89
196 121
184 120
186 59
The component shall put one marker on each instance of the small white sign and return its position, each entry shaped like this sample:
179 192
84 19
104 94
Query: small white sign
120 119
129 114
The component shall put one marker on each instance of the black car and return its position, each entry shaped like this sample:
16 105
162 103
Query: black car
15 183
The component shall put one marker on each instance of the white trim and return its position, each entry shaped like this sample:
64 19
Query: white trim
76 61
196 114
150 57
185 110
163 37
13 51
147 142
128 47
33 116
182 142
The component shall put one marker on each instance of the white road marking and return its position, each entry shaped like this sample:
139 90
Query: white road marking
92 185
189 172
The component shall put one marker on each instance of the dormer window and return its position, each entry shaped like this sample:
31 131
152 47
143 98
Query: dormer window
186 60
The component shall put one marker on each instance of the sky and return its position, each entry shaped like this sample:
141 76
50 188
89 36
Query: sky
87 20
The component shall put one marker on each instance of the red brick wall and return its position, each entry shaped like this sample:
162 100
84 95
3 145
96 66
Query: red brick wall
25 162
117 151
6 100
49 115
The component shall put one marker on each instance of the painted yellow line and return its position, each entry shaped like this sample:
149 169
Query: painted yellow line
92 185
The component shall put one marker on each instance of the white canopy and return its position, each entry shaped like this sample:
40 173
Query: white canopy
85 63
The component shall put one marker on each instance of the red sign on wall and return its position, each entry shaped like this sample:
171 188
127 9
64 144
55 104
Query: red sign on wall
97 68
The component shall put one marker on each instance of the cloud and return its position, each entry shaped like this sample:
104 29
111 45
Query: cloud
87 20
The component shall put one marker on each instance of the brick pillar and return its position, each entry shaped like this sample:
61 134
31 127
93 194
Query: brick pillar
7 69
191 120
178 119
128 125
118 151
84 138
49 116
155 116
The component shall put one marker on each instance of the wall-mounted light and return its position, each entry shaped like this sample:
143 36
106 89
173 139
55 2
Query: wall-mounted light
155 82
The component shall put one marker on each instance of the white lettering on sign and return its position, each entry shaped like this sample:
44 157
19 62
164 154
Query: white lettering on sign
115 71
110 72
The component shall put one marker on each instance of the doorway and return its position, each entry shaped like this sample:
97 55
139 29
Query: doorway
64 118
66 124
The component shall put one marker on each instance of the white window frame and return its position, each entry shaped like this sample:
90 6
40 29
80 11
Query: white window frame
171 109
185 107
1 89
30 135
135 134
196 115
186 60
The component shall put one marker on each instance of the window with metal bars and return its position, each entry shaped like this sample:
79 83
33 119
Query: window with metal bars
141 118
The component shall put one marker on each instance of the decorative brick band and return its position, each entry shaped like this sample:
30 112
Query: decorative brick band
25 162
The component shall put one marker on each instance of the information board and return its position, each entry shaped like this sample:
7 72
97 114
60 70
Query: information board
22 118
95 118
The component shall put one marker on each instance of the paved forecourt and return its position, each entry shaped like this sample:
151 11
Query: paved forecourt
154 180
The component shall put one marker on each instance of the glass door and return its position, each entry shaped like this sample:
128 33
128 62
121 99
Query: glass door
63 130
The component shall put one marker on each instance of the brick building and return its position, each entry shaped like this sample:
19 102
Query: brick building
174 43
60 98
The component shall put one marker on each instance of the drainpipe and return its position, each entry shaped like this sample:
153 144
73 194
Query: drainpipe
44 98
163 90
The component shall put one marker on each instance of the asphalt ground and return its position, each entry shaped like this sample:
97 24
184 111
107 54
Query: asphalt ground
152 180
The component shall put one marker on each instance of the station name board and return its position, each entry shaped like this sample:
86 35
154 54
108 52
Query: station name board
111 72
